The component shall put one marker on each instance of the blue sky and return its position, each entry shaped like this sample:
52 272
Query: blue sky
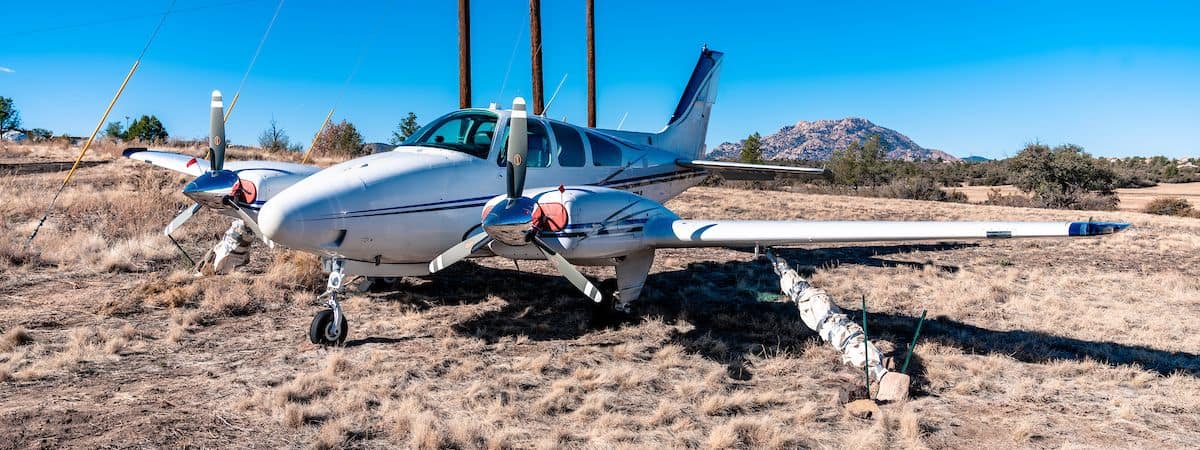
1119 78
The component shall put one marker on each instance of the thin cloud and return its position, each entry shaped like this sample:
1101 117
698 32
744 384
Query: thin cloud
6 70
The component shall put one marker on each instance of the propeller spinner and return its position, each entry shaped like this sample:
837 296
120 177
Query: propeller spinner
512 221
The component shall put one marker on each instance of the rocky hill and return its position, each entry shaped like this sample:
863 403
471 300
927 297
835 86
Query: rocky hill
817 141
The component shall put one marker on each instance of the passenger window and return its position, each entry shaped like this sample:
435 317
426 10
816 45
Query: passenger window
604 152
539 146
570 145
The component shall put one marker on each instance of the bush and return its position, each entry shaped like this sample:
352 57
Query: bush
1064 177
919 188
339 139
1171 206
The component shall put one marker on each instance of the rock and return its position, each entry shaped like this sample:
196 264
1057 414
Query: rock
863 409
818 140
893 387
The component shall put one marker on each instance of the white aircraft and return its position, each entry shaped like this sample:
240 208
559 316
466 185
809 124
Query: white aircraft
432 202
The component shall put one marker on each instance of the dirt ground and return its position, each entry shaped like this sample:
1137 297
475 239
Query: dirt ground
1131 199
106 340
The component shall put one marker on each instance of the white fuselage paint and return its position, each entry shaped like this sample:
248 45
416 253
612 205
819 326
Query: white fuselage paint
391 213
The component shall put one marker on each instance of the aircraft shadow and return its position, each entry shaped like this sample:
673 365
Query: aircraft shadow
730 309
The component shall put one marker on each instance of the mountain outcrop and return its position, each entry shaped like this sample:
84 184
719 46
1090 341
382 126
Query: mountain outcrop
819 139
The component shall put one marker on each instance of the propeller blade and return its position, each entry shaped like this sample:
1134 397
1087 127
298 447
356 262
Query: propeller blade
570 272
181 218
458 252
216 132
518 148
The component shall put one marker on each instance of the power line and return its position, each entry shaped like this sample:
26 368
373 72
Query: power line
237 94
120 19
103 117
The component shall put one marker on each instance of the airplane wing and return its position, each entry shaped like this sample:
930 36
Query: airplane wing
174 161
744 171
678 233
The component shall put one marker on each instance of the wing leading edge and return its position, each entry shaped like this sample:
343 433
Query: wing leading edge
676 233
743 171
174 161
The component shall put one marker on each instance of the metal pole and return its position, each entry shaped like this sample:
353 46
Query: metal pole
913 345
591 63
535 46
308 152
86 146
464 54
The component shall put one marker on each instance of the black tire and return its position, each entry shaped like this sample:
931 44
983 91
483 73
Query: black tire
318 330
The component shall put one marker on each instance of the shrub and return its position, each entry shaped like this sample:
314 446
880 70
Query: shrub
1064 177
1171 206
919 188
340 140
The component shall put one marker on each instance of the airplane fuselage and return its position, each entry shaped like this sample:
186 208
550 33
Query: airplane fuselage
390 213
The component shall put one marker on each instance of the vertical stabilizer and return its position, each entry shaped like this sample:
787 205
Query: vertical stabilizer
689 124
685 132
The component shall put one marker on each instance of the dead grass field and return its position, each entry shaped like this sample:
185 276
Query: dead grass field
106 341
1131 199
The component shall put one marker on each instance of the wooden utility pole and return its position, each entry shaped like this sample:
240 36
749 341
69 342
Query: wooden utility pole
591 63
464 53
535 46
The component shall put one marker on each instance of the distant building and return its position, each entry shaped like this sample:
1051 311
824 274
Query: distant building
14 136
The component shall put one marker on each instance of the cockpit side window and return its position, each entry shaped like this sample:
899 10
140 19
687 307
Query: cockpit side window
604 152
570 145
470 132
539 145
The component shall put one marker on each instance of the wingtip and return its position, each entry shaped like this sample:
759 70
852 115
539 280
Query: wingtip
1097 228
132 150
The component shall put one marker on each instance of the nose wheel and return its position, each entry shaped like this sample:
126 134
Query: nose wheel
323 332
329 327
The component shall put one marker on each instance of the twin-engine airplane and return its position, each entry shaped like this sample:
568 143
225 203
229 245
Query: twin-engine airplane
432 201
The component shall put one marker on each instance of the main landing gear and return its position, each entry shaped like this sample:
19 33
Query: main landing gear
329 327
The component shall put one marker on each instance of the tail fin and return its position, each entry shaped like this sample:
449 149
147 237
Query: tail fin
685 132
688 126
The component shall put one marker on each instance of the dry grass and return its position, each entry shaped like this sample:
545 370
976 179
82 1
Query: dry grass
1055 343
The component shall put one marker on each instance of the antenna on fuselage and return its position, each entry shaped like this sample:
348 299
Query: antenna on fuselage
622 122
555 94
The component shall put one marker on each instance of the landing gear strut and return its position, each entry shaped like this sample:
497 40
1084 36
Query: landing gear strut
329 327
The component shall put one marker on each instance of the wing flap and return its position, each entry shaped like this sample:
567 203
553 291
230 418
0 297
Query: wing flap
675 233
174 161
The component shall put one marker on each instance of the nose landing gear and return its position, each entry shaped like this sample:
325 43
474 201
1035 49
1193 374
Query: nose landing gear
329 327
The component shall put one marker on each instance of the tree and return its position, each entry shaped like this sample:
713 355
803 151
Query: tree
40 134
339 139
10 118
114 130
752 150
274 138
1061 177
406 128
146 129
861 163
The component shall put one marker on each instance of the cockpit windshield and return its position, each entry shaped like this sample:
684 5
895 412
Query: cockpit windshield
470 132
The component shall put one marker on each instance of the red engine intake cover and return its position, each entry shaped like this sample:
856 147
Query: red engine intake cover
245 191
550 216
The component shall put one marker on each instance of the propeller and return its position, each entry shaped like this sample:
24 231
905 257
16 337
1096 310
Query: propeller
512 220
215 188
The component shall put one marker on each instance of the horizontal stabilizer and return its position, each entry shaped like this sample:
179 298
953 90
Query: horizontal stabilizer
744 171
676 233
